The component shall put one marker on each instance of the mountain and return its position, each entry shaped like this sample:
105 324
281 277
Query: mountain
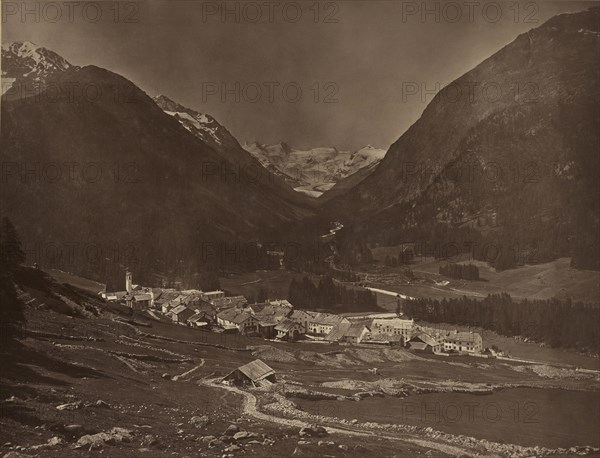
503 154
26 64
119 174
316 170
203 126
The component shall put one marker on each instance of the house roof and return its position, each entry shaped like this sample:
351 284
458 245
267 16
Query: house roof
234 316
328 319
277 308
191 291
166 296
401 323
287 325
197 317
418 345
266 320
425 338
186 299
355 330
180 309
338 331
229 301
142 297
256 370
462 336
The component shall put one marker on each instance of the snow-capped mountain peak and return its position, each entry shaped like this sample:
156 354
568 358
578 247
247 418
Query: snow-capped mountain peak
25 63
20 59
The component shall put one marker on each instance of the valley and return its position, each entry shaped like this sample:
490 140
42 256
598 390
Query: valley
158 383
168 290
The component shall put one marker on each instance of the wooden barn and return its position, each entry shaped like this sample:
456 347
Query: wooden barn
256 373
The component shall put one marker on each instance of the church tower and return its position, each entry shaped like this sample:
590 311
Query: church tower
128 282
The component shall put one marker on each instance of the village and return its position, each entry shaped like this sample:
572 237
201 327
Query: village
279 320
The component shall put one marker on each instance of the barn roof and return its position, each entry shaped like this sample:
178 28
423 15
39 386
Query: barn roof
256 370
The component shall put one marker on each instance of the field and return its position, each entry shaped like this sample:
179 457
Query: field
540 281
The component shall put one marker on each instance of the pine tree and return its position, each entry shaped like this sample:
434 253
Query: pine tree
11 308
10 246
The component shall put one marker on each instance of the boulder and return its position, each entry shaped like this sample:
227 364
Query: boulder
231 430
200 422
97 441
313 431
215 443
241 435
54 441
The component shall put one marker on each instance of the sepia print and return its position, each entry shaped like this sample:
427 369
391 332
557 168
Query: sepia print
313 228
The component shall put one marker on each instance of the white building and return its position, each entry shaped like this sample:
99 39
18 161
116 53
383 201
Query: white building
394 327
464 341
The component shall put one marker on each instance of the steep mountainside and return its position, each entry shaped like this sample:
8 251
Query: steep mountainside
509 150
113 169
316 170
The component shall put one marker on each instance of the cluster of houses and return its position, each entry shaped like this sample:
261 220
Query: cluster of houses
277 319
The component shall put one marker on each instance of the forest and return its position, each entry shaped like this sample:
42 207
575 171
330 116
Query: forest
460 271
558 323
328 295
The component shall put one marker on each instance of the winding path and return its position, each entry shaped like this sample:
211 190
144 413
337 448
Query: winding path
250 408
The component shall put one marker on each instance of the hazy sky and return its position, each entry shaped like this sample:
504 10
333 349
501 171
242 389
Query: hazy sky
357 55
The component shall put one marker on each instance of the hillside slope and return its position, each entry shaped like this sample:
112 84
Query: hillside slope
513 141
114 170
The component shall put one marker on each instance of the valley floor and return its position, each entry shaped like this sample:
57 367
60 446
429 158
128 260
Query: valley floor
159 383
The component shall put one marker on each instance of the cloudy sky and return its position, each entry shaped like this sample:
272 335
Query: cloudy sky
311 74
